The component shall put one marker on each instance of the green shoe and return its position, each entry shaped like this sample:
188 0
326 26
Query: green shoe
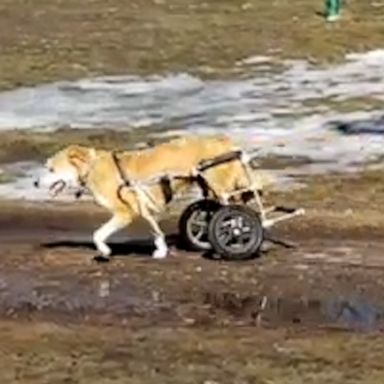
332 18
332 9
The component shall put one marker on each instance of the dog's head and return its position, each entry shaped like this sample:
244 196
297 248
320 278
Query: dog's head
67 168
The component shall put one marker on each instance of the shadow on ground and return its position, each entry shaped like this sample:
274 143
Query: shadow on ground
137 247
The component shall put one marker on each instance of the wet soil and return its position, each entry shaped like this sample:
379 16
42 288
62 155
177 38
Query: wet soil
318 277
307 313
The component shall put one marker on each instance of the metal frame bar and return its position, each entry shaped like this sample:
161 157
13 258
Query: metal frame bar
224 199
145 196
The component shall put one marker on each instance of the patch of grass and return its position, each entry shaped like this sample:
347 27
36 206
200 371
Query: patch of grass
350 105
337 204
363 190
6 178
46 353
24 146
46 40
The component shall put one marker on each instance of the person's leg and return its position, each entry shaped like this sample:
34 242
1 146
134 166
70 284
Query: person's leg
338 6
333 8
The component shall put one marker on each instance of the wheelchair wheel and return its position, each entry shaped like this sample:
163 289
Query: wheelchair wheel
235 232
193 224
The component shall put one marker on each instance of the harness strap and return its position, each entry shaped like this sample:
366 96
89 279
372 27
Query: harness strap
81 178
218 160
144 197
120 170
166 188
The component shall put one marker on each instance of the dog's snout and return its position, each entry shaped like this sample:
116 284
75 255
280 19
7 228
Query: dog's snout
36 183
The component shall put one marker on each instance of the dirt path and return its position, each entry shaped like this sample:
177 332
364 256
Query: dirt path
278 319
48 272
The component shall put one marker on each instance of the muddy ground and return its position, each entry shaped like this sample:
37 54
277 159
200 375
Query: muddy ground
309 313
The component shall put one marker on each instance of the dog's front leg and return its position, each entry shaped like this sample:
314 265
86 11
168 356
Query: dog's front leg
161 250
100 236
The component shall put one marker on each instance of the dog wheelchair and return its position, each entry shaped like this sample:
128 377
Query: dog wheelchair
222 225
231 225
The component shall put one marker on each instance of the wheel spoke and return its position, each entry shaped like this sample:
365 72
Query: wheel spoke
225 235
244 238
198 233
227 239
199 226
199 223
194 223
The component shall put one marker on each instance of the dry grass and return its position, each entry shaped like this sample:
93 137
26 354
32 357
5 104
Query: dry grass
45 40
47 353
338 205
25 146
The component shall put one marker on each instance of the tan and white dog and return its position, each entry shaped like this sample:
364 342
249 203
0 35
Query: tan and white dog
105 173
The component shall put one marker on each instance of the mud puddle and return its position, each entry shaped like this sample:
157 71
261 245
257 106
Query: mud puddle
352 312
79 297
107 298
47 273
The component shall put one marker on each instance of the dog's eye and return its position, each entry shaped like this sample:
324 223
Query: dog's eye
50 169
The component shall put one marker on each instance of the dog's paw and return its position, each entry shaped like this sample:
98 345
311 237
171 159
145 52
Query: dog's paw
159 254
101 259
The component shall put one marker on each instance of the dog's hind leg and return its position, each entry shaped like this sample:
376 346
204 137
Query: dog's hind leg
116 223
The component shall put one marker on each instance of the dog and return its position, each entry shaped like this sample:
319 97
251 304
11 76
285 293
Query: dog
131 184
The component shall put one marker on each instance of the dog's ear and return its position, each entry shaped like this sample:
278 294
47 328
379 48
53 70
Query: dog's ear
80 154
81 157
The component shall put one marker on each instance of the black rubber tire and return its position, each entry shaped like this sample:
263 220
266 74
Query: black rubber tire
187 238
254 232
